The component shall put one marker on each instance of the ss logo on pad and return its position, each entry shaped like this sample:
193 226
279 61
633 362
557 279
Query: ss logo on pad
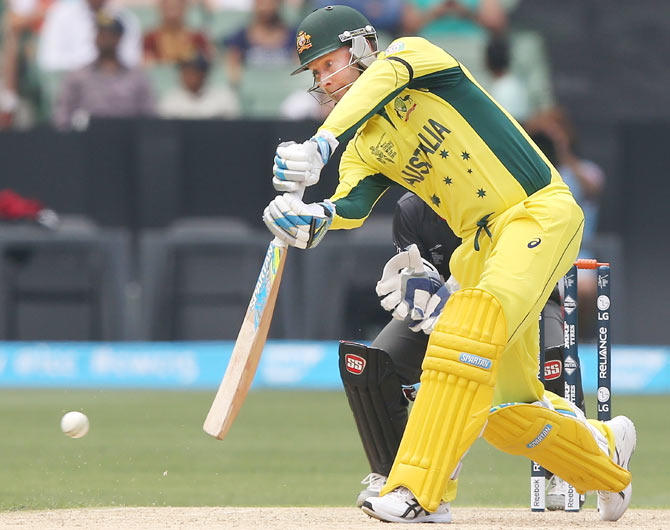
552 370
354 364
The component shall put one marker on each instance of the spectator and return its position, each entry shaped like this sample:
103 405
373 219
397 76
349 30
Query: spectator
385 15
67 39
299 105
505 87
265 41
584 177
172 41
194 98
21 22
554 135
232 5
245 5
434 18
106 87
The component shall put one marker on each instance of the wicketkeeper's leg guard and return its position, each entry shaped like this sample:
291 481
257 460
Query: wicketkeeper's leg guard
375 396
554 376
560 440
555 362
453 402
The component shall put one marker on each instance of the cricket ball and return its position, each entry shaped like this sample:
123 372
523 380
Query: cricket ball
74 424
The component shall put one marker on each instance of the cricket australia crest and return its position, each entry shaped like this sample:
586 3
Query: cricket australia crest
404 106
303 41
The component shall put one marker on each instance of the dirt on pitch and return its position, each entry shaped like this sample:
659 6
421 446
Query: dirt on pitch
313 518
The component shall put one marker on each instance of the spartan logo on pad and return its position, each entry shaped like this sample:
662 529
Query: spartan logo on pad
354 364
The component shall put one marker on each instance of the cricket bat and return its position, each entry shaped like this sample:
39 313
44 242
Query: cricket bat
249 344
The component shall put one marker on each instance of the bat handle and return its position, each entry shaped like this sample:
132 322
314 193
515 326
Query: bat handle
298 194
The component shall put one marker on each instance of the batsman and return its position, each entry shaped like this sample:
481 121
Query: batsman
415 285
414 116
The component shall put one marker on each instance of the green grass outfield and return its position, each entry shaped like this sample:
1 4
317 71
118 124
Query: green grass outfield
147 448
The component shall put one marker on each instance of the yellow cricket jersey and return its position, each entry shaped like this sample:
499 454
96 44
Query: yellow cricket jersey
416 117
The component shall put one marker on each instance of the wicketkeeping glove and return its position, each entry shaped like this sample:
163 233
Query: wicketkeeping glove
297 166
296 223
434 307
407 284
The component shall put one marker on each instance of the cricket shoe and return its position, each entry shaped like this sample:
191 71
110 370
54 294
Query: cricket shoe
612 505
555 494
401 506
374 482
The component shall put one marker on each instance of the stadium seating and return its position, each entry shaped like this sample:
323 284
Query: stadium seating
262 90
344 270
67 284
198 276
527 60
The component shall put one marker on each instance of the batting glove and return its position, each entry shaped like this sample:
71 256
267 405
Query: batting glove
297 166
296 223
407 284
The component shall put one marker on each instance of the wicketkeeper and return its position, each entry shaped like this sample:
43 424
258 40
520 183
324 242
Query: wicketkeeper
379 392
414 116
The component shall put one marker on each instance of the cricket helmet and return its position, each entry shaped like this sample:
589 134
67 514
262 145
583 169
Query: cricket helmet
329 28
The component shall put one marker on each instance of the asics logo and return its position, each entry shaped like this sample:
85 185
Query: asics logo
413 510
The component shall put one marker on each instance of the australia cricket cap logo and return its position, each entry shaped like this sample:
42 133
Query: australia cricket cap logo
303 41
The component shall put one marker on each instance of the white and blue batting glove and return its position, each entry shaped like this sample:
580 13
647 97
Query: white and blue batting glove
407 285
297 166
296 223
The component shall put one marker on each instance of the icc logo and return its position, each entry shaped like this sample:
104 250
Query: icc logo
534 242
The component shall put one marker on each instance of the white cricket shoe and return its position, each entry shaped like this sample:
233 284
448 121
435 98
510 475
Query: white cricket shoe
555 493
556 490
612 505
400 506
375 482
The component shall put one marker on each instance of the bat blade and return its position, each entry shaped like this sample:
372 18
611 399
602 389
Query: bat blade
248 346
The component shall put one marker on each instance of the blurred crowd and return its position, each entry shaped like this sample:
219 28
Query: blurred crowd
64 61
